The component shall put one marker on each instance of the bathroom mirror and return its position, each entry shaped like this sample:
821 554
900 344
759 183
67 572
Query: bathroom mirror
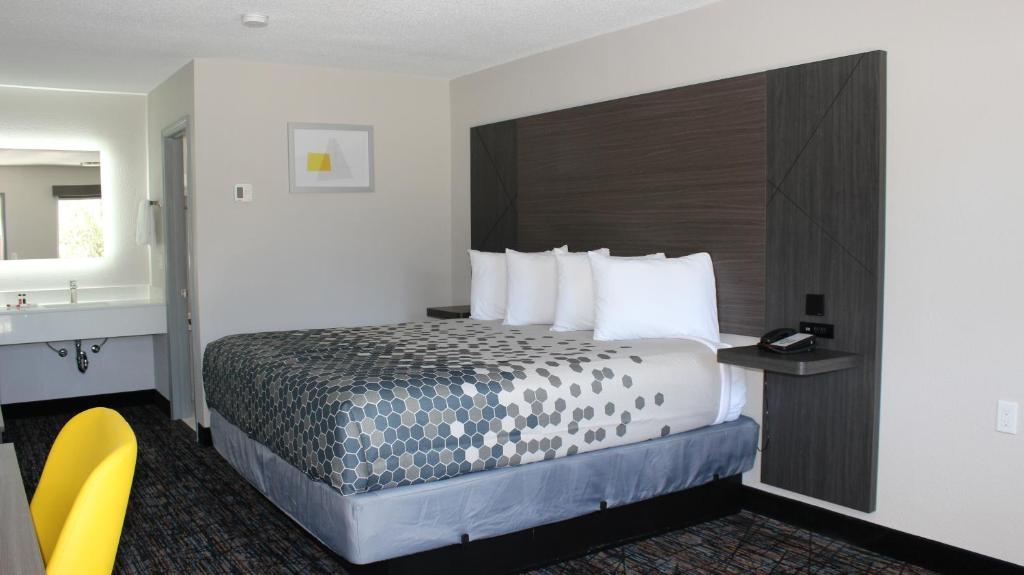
50 204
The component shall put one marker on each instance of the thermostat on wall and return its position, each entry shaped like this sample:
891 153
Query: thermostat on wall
243 192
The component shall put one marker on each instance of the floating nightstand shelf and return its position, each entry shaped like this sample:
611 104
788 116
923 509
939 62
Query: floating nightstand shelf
449 312
806 363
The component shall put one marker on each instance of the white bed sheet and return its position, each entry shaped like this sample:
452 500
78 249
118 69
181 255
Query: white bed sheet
680 380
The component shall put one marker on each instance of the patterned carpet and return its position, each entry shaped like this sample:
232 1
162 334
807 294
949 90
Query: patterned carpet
190 513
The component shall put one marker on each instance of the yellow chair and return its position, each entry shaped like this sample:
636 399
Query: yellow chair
78 508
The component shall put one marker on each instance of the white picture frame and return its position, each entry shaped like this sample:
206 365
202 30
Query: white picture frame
329 158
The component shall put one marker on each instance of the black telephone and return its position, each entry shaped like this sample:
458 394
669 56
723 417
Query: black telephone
786 340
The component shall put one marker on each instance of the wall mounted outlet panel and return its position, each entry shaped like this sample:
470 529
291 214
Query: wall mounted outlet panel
1006 417
825 330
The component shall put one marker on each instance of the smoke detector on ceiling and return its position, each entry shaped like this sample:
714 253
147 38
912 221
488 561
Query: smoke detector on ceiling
254 20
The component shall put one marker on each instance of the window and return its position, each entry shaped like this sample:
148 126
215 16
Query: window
80 227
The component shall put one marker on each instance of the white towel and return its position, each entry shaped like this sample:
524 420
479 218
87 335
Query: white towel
145 226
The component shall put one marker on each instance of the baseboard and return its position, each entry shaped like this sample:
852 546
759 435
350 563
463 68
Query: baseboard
926 553
204 435
162 402
76 404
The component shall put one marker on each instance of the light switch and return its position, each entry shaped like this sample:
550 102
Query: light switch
243 192
1006 418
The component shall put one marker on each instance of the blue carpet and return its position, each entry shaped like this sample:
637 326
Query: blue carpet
191 513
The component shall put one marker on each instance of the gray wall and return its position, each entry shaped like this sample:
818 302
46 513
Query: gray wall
955 87
288 261
32 372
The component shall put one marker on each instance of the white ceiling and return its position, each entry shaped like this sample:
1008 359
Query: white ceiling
132 45
10 157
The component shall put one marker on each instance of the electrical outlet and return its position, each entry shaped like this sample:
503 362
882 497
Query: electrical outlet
1006 418
825 330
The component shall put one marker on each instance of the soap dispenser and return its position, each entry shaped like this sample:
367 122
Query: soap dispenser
73 291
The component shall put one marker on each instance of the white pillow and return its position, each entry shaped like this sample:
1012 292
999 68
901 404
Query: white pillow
670 298
574 307
532 287
488 284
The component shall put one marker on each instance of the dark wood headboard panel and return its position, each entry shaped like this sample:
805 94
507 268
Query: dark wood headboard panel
826 223
678 171
780 176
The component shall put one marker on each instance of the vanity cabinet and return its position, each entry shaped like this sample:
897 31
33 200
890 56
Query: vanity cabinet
128 360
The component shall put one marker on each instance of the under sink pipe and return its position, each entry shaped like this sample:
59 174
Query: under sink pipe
81 358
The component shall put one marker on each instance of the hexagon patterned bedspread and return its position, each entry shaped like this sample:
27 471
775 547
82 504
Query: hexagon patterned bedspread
377 407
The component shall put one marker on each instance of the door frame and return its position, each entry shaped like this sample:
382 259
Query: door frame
186 398
3 226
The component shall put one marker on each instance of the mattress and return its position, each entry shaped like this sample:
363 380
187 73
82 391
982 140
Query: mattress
388 523
370 408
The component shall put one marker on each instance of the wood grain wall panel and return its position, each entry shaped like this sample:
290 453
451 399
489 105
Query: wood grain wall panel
803 95
679 171
823 118
494 175
825 222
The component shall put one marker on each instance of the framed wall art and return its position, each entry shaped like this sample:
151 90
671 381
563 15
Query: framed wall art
330 158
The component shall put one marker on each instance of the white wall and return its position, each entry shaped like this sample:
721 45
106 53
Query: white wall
31 208
318 260
953 239
114 124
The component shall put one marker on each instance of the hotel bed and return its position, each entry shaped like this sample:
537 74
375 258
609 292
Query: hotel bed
386 441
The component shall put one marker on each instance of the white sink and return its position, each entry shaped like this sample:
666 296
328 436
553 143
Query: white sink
77 305
68 321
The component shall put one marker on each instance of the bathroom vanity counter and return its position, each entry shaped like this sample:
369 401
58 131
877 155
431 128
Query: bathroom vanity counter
86 320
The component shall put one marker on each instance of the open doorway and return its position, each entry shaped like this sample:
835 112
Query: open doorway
177 222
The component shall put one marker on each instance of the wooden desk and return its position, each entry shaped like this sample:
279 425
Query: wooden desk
19 548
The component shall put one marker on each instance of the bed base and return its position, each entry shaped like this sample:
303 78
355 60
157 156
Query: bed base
570 538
